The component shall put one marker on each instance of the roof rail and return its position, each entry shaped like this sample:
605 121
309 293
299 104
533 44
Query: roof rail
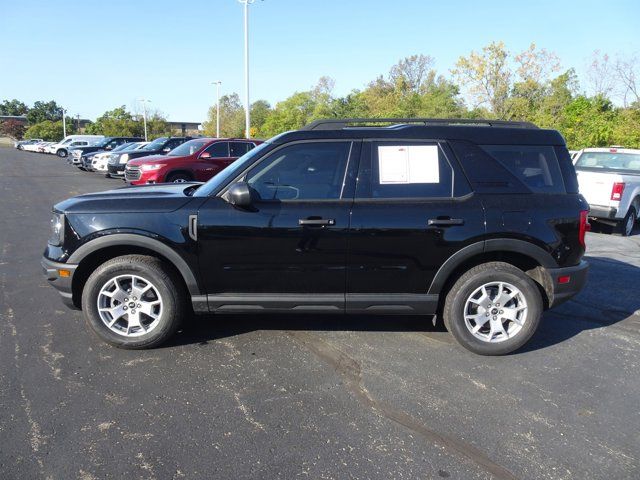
338 124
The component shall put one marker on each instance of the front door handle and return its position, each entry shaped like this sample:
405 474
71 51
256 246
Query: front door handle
316 222
444 222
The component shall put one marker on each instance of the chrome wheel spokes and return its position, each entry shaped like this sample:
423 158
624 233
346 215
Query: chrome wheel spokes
130 305
495 312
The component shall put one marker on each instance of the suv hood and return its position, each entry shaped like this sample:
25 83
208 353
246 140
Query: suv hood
144 198
154 159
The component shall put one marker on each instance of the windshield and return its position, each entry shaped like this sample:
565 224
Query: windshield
127 146
234 169
156 144
188 148
609 161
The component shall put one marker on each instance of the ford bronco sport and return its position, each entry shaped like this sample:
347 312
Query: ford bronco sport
478 222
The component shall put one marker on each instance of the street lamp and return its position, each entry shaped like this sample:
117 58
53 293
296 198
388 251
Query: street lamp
144 102
64 123
217 84
247 114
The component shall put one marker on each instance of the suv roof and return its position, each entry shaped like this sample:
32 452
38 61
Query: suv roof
480 131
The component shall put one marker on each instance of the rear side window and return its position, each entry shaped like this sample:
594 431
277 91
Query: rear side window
535 165
405 170
237 149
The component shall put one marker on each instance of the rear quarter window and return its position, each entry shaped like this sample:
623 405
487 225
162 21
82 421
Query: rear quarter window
534 165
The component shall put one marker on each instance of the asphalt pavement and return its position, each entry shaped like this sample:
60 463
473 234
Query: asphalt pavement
306 396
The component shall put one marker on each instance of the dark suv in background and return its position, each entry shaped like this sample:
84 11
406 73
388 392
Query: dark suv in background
477 222
159 146
106 144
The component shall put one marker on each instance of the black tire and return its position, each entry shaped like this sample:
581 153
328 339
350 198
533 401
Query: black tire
630 220
164 279
20 147
62 153
467 284
179 177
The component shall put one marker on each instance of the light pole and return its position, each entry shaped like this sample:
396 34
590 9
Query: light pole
144 115
217 84
247 104
64 123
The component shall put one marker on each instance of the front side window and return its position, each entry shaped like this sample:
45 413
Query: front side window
188 148
303 171
535 165
405 170
219 150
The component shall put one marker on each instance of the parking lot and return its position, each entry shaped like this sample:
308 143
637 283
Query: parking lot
309 397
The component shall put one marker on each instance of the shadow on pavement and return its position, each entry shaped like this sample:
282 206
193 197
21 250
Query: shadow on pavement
594 307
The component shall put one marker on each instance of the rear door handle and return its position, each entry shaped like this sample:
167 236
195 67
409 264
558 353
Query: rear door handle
445 222
316 222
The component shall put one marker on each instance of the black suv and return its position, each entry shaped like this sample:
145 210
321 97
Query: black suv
477 222
106 144
160 146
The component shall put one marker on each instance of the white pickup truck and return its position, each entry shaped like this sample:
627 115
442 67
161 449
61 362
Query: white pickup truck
609 179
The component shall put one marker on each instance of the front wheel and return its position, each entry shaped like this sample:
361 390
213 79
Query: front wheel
133 302
493 309
179 178
62 153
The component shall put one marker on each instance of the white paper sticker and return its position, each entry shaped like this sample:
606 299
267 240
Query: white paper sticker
408 164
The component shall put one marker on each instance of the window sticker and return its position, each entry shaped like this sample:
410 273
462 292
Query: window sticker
408 164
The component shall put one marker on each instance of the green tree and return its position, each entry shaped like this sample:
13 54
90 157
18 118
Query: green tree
117 123
231 118
13 107
260 111
47 130
42 111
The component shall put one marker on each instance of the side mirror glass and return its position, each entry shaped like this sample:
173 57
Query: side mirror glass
239 195
205 155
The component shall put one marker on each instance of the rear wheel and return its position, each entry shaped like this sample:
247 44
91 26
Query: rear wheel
626 226
133 302
493 309
179 177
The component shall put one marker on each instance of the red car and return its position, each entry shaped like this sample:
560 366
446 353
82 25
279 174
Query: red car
196 160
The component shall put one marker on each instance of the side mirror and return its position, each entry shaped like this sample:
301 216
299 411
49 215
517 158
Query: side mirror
166 149
108 147
239 195
205 155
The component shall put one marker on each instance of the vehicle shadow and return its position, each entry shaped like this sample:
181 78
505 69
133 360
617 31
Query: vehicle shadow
594 307
598 227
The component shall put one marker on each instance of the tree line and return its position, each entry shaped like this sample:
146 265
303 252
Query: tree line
44 121
492 83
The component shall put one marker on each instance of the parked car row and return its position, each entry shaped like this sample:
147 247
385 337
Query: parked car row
60 148
165 160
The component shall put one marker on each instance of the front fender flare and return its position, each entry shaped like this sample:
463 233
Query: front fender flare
124 239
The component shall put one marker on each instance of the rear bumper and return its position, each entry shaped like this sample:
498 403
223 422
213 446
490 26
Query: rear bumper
51 271
596 211
577 279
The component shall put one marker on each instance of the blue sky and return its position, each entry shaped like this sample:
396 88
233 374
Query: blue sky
92 55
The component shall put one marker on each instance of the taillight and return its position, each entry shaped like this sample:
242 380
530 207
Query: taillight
616 191
584 227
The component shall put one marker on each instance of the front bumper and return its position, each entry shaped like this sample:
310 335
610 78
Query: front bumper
577 278
52 270
116 170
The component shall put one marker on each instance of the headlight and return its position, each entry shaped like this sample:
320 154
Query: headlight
57 229
77 153
124 158
113 159
151 166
